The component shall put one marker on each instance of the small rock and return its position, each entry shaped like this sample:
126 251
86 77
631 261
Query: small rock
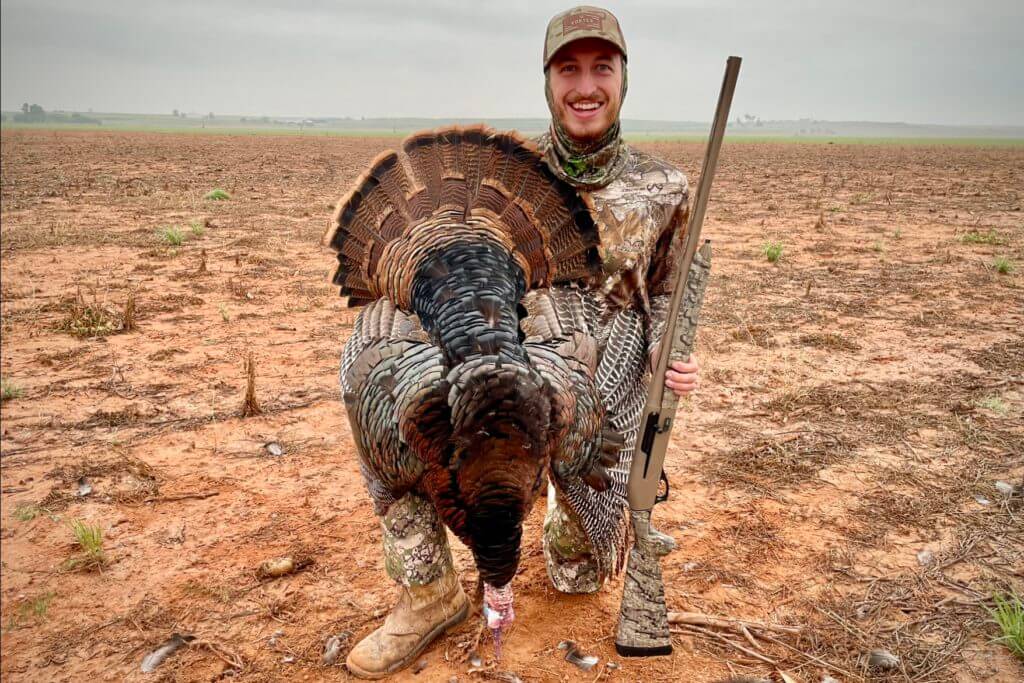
282 566
274 448
925 557
828 679
274 636
883 660
1004 488
981 500
288 660
475 660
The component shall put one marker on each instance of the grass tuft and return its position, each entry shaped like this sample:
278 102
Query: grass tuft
36 608
197 228
171 235
976 237
995 404
217 195
40 605
89 538
26 512
10 390
772 251
1003 265
1009 616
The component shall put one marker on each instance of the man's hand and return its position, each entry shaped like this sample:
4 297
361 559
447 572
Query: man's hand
682 377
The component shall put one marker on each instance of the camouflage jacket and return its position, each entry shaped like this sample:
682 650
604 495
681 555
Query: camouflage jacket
642 218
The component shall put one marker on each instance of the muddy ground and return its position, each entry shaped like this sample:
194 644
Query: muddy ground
861 399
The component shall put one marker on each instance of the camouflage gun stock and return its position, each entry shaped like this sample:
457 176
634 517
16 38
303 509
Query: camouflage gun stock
643 618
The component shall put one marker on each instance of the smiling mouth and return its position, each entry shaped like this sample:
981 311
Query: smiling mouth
586 109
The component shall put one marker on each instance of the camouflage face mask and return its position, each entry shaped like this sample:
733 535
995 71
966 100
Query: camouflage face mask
591 165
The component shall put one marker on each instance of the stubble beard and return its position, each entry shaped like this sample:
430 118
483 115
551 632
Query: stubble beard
585 133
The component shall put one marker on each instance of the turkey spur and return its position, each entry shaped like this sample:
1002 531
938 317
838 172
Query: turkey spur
469 378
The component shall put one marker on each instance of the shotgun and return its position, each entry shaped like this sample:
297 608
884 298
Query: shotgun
643 617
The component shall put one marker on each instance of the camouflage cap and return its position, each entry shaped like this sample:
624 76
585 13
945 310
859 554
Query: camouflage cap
582 22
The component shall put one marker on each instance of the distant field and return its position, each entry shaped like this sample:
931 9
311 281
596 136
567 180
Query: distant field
655 136
838 140
843 133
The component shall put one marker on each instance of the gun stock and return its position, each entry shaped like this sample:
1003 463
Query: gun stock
643 618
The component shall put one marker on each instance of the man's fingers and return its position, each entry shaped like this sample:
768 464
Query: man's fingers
688 384
689 366
680 376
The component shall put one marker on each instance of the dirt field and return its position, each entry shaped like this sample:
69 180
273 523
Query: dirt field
862 398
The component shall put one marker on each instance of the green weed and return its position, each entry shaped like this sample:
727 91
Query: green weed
171 235
975 237
26 512
995 404
37 607
1009 615
772 251
10 390
217 195
1003 265
197 228
225 315
89 538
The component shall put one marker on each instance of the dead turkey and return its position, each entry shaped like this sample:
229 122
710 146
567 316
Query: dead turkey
459 385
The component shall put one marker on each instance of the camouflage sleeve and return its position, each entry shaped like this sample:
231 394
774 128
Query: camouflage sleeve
661 275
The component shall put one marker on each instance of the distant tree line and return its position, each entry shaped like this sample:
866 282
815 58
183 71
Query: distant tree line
33 113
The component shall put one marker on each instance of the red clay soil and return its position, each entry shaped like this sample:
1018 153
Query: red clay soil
844 468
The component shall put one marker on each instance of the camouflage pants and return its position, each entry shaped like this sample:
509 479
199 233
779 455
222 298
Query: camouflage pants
416 548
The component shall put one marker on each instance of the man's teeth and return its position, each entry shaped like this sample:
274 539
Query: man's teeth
586 106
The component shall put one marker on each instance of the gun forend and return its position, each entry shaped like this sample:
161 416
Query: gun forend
656 422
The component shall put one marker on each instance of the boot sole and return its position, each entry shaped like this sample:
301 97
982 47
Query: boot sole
458 618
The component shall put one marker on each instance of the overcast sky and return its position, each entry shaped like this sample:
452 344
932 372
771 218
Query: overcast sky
948 62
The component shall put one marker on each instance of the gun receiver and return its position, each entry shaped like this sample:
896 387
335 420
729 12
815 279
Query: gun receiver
643 619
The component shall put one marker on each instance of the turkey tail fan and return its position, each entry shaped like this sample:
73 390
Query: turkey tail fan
373 213
457 185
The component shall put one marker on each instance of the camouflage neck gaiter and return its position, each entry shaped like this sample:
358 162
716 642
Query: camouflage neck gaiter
587 166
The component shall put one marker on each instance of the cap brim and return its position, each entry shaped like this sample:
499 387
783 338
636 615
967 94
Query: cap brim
580 35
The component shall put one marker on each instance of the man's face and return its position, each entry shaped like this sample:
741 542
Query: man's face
586 87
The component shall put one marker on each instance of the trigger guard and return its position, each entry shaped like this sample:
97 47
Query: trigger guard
662 497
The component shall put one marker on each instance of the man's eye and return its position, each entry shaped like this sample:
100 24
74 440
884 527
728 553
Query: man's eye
607 68
567 69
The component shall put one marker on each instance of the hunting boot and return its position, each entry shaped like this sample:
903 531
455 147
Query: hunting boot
422 614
